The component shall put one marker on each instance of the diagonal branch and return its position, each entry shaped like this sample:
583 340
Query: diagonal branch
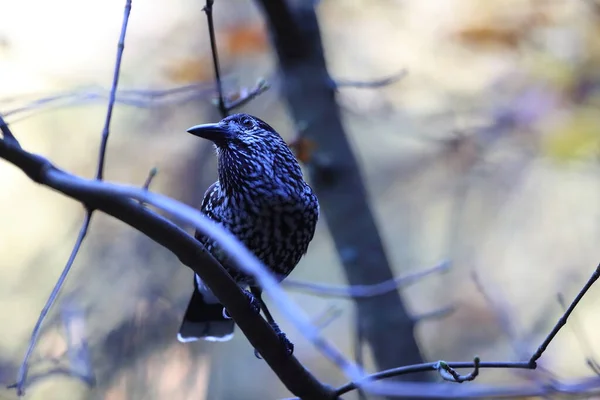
208 9
363 291
122 203
563 319
113 92
243 97
22 376
246 96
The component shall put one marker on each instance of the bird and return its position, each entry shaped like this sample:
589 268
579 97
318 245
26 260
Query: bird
261 197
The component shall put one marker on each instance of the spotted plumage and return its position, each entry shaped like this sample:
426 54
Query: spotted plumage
262 198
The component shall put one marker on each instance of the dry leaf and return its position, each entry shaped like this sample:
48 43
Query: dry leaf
191 70
303 149
490 35
245 39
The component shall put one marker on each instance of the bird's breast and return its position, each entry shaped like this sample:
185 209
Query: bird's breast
277 232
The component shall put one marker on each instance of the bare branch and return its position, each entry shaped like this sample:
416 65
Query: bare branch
426 390
22 376
241 98
244 97
563 319
425 367
113 91
364 291
122 202
113 199
142 98
208 9
150 177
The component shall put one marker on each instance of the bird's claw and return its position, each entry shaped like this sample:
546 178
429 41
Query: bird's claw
254 303
226 314
287 344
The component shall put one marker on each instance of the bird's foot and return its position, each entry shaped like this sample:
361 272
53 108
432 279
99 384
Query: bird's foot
254 303
287 344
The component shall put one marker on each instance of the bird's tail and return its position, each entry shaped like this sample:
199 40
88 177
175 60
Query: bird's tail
204 318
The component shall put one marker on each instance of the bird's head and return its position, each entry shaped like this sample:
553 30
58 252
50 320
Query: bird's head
251 154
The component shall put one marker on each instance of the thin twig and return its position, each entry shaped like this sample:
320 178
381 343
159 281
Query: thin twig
22 376
113 92
149 178
208 9
142 98
432 366
364 291
563 319
244 98
531 364
370 84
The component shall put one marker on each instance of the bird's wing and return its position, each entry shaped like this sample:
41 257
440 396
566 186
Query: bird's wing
210 200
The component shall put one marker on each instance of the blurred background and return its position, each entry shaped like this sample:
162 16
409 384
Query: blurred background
485 154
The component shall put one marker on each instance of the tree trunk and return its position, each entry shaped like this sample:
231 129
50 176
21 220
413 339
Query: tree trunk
336 178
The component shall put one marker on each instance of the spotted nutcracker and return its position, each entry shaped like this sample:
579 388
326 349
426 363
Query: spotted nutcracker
260 197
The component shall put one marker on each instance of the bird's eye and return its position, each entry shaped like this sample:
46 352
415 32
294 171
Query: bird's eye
247 123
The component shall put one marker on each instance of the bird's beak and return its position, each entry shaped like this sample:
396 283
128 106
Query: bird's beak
213 132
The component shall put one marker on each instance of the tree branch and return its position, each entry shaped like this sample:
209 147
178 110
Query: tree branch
122 202
208 10
116 200
22 376
113 92
563 319
363 291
